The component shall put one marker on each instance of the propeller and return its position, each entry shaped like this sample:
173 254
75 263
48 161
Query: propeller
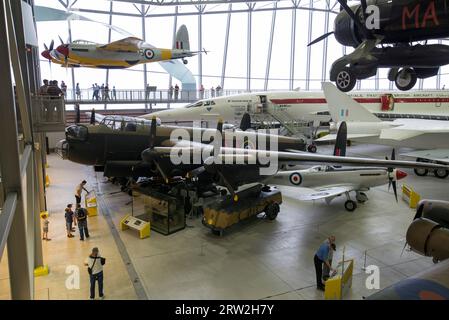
210 165
78 114
60 39
245 123
92 117
321 38
361 26
149 155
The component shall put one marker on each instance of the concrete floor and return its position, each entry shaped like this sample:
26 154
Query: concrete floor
256 260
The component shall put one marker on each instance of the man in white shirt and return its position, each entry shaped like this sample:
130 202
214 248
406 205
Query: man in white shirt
95 268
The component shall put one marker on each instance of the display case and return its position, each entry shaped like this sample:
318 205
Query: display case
165 212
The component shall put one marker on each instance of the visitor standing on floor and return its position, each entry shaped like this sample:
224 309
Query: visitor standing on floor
45 224
322 257
81 218
94 265
78 190
69 220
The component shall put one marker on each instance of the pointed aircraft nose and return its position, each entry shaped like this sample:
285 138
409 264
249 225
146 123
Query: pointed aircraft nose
63 49
400 174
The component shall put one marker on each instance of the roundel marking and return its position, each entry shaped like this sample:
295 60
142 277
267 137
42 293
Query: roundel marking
149 54
295 178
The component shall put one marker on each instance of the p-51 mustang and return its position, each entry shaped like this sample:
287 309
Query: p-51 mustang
134 148
119 54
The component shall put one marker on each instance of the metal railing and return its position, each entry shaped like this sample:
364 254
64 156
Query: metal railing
142 96
48 113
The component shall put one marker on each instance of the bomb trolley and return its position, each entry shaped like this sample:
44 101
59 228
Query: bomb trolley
226 212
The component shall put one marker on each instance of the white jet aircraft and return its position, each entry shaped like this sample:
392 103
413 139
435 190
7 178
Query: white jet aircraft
363 126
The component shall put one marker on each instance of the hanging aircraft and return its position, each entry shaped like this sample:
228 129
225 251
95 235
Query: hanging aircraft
363 126
119 54
133 148
384 34
329 182
427 235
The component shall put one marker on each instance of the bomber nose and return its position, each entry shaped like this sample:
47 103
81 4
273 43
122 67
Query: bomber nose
400 174
62 149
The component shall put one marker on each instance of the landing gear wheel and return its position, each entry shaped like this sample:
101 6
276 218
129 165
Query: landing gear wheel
405 79
350 205
311 148
346 80
421 172
441 173
272 210
185 61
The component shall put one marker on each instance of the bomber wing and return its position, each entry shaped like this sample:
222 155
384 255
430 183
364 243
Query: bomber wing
229 154
130 44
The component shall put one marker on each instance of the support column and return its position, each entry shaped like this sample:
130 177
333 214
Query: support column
145 78
19 269
326 42
270 45
293 46
175 26
70 40
309 49
200 43
109 40
225 51
248 46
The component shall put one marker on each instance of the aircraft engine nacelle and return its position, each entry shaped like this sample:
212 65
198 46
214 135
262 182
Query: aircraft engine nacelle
428 234
345 29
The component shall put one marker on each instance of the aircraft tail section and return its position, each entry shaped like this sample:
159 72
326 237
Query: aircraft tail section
340 143
343 108
182 39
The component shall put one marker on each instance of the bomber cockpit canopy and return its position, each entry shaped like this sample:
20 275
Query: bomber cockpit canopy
124 123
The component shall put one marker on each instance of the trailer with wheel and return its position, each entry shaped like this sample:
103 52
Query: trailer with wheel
226 212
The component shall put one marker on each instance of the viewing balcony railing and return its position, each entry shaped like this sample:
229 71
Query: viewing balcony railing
48 113
143 96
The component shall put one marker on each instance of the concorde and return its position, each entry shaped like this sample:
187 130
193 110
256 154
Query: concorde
308 106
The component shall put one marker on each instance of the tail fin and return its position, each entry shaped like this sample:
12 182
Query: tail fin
182 39
343 108
340 143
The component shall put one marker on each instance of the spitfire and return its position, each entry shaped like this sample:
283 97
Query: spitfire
119 54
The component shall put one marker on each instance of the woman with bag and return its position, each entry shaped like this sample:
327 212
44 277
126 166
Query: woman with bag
95 269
